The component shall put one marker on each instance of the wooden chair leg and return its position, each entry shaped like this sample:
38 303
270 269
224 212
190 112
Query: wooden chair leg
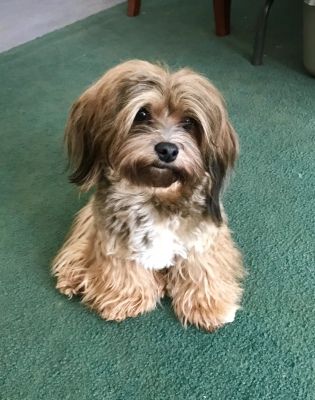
133 8
222 12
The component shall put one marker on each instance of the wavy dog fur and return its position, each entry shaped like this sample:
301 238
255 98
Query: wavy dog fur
152 227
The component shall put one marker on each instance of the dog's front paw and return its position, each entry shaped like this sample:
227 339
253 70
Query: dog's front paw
121 308
136 292
205 316
68 286
67 290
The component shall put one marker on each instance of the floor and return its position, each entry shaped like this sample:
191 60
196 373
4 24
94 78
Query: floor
22 21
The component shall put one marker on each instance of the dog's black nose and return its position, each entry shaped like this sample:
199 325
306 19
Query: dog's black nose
166 151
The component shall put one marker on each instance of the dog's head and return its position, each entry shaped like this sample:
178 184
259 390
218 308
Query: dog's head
152 128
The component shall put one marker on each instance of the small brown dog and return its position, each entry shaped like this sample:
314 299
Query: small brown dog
157 147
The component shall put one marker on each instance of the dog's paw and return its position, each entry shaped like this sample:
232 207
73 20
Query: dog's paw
118 306
119 315
230 315
205 317
66 289
68 286
123 309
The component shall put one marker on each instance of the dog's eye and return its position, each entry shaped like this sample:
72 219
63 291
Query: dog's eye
188 123
142 115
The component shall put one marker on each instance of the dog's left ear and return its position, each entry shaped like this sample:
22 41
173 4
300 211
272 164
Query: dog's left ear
220 163
81 142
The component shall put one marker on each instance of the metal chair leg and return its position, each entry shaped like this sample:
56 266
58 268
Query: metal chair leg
259 43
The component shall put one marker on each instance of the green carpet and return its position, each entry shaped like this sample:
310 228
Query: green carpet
52 348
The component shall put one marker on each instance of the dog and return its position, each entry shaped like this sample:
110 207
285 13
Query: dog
157 147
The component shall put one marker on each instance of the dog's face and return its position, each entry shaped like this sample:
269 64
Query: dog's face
152 128
161 146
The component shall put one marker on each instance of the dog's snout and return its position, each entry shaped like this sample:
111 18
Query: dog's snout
166 151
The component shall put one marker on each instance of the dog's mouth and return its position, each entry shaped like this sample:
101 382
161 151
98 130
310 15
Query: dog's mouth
161 175
155 174
160 166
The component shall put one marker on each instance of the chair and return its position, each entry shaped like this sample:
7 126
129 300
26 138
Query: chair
221 8
222 11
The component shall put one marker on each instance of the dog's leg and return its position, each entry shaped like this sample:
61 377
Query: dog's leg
118 288
205 287
70 264
115 287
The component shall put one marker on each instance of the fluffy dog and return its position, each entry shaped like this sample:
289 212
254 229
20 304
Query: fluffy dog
157 147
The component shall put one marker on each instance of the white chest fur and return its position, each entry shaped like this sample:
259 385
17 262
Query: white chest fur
161 248
158 244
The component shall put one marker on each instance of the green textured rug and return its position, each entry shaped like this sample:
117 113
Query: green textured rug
52 348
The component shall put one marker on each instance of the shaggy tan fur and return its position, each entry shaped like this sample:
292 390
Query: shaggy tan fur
115 288
152 226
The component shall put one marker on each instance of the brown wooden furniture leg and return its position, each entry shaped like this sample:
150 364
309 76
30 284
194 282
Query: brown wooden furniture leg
133 7
222 11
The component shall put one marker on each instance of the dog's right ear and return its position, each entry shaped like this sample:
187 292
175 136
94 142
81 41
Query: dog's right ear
81 142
